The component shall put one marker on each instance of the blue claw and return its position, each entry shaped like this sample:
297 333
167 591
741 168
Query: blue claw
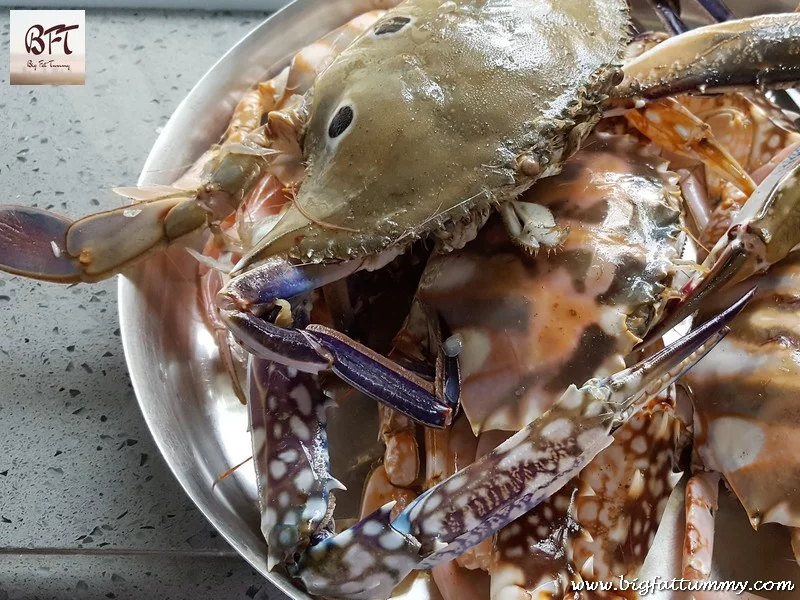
271 342
246 297
717 9
451 385
383 380
669 12
317 349
276 278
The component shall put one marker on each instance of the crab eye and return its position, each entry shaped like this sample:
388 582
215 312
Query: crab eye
340 122
393 25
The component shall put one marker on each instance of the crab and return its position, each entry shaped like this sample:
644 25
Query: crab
750 407
528 327
399 136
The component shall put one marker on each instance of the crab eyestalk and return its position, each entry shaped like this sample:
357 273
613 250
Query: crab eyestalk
366 562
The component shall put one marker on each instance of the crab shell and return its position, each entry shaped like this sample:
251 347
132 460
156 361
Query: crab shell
409 127
533 325
747 421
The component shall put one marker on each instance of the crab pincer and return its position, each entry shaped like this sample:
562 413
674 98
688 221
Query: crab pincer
250 306
368 560
742 53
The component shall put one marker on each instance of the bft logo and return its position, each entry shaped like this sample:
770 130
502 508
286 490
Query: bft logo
35 42
48 47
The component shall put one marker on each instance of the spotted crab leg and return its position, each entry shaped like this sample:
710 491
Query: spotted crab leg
251 309
290 450
602 523
369 560
757 51
702 494
763 233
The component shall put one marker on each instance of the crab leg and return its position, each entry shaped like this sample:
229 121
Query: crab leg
43 245
602 523
401 459
368 560
717 9
290 449
702 494
380 490
758 51
763 233
674 128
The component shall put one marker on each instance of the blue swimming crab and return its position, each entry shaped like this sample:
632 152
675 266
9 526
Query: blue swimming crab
418 123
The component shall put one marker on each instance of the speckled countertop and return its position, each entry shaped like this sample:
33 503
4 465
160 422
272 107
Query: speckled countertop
88 509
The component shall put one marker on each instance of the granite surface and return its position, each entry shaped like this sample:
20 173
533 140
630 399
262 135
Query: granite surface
88 509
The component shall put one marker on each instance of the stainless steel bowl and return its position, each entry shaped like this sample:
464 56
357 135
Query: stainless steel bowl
187 401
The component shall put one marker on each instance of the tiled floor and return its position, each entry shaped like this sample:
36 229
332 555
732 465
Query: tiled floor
88 509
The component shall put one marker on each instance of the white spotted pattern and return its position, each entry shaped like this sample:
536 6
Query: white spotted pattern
302 398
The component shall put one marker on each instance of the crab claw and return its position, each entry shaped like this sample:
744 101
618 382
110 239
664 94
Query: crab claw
389 383
763 233
250 305
271 342
42 245
317 349
276 278
759 51
536 462
370 559
290 451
